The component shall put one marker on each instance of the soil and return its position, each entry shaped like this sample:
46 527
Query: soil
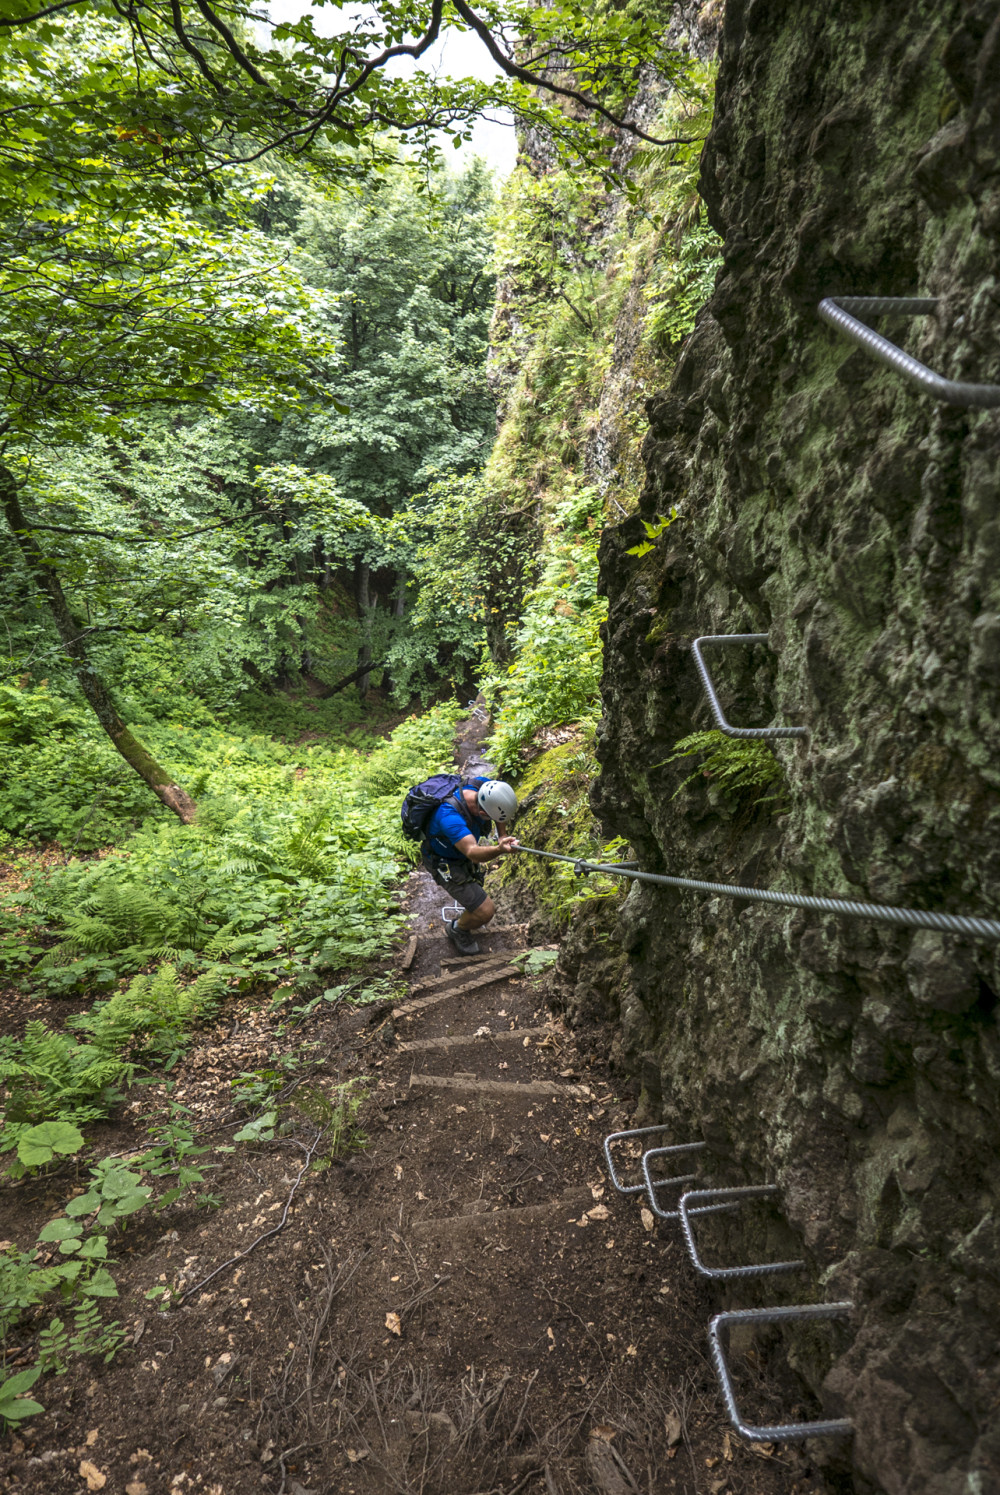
463 1305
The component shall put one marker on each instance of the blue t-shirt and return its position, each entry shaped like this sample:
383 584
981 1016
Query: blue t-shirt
446 826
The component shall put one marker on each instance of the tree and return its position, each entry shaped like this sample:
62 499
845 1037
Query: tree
133 276
104 315
195 87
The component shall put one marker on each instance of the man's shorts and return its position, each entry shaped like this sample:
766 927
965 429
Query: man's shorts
458 880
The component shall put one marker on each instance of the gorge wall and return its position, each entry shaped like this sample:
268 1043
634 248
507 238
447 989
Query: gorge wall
823 501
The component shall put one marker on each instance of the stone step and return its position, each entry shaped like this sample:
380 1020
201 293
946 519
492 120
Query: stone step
498 973
478 1221
511 1089
428 1045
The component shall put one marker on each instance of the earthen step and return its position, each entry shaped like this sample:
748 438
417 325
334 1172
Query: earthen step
454 962
500 973
511 1089
411 951
477 1222
438 983
427 1045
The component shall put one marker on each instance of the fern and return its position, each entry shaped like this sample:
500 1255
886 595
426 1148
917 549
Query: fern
49 1076
744 767
152 1014
111 913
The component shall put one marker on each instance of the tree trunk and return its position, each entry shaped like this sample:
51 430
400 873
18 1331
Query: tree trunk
93 687
399 606
257 676
331 690
362 596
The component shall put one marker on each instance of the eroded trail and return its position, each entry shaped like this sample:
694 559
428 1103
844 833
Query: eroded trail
510 1324
463 1306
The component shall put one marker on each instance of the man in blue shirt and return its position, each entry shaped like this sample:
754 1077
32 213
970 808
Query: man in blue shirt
454 858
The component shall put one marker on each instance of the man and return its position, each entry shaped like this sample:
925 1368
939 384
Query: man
454 858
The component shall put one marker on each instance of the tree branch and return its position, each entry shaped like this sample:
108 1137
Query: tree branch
40 15
514 70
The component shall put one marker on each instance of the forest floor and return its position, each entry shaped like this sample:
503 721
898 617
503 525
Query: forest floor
461 1305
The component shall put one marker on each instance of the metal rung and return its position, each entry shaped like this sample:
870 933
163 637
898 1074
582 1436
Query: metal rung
451 911
652 1184
713 699
782 1432
755 1269
845 312
642 1131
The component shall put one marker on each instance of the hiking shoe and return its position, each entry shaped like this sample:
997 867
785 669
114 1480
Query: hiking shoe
461 939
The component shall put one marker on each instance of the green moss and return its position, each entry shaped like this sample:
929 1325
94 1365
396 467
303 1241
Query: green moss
556 816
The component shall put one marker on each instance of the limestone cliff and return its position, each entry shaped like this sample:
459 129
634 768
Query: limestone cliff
825 502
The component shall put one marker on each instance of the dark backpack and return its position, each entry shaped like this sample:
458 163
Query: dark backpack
423 799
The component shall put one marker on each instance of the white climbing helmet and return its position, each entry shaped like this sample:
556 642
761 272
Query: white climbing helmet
497 800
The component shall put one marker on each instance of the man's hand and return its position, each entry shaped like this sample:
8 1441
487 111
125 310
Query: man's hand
507 844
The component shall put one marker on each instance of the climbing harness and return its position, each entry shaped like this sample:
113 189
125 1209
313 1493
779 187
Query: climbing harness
786 1432
713 700
845 313
910 918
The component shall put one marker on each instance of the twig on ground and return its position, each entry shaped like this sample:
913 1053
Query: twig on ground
524 1402
267 1233
424 1293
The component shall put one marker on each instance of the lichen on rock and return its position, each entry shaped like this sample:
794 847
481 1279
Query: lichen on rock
825 502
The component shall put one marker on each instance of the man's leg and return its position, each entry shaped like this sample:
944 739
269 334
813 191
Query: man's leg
471 895
475 918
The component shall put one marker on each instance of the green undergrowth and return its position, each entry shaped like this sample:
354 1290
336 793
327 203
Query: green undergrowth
556 669
288 871
556 816
62 780
600 294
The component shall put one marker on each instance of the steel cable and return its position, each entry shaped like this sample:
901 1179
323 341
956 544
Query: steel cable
848 908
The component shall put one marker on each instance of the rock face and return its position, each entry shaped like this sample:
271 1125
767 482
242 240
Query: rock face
824 501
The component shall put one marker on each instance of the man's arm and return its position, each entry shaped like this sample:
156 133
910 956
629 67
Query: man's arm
469 847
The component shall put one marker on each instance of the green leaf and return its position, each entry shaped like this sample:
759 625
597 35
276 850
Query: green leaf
39 1144
61 1230
83 1204
132 1202
22 1381
16 1410
95 1248
100 1285
260 1129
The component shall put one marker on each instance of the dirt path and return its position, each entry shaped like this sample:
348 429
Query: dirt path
465 1306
